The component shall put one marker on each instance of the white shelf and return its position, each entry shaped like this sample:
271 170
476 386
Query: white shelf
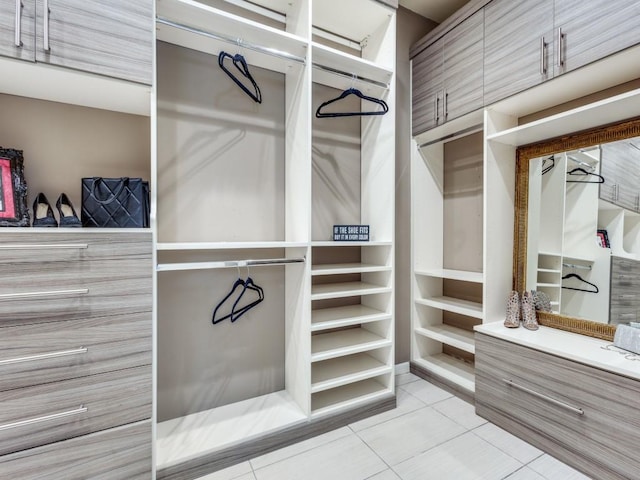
346 342
198 434
342 371
347 396
619 107
345 268
184 246
548 270
455 305
346 289
329 243
337 317
450 368
449 335
352 19
202 17
475 277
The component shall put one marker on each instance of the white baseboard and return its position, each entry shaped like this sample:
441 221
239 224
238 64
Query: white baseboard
402 368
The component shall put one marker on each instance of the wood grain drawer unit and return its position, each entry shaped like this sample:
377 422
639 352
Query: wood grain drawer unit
584 416
42 353
122 453
53 412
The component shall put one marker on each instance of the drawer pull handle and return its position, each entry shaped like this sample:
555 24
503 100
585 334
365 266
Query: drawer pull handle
46 418
44 246
52 293
45 356
558 403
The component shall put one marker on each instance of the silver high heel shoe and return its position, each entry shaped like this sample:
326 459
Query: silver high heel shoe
512 319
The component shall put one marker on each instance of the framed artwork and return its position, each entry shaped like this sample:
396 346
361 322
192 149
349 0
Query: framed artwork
13 189
603 239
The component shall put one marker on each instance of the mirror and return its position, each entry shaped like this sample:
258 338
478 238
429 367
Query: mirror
578 228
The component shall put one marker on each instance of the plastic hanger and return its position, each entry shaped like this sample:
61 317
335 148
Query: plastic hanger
579 171
236 313
578 277
241 65
548 168
239 283
346 93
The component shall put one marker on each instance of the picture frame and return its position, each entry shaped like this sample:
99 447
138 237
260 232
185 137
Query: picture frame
13 189
603 239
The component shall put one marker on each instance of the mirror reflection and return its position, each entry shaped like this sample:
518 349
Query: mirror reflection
583 247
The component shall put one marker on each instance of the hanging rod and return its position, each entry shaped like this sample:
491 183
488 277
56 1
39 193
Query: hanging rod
462 133
234 41
580 162
165 267
571 265
351 76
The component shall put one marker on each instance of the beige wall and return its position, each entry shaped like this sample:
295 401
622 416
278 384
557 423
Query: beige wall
411 27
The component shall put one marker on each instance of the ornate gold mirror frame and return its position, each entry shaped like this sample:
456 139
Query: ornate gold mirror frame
605 134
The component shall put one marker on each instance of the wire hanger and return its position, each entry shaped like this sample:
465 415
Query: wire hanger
548 168
581 172
578 277
241 65
357 93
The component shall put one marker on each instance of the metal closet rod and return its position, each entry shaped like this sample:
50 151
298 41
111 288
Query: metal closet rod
164 267
233 41
351 76
572 265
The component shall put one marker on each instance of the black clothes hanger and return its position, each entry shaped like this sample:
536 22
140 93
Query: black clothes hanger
248 285
578 277
548 168
579 171
346 93
241 65
239 283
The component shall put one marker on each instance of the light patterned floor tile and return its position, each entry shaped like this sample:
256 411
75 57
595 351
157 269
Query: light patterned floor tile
345 459
405 403
410 434
300 447
466 457
510 444
426 392
241 471
386 475
553 469
525 473
405 378
460 412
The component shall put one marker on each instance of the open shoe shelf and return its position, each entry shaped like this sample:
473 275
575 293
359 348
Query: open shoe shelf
449 335
336 317
350 395
329 345
346 289
474 277
455 305
341 371
450 368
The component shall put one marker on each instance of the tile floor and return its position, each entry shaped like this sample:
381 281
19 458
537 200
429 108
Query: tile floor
430 435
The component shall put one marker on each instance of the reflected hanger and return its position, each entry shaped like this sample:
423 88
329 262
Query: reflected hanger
578 277
241 65
581 172
548 168
346 93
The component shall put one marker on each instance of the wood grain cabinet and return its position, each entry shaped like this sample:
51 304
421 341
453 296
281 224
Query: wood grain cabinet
620 167
625 300
585 416
427 78
112 38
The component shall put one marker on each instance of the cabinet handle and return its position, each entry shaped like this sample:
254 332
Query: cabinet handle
626 315
437 109
558 403
446 105
18 29
560 47
46 418
45 356
543 56
626 297
615 192
47 46
44 246
52 293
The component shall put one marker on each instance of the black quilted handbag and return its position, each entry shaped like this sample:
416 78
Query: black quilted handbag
115 202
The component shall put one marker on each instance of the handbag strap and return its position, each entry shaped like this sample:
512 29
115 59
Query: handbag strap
114 195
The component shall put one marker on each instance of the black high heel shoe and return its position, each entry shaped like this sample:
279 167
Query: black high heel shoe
67 213
42 212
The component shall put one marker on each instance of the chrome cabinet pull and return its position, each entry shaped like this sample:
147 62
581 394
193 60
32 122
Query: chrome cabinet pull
44 246
44 356
46 418
543 56
558 403
18 28
437 109
626 315
50 293
446 105
47 46
560 47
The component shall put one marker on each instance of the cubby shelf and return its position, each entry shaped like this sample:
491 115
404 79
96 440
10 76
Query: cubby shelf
449 335
325 346
455 305
337 317
344 370
329 243
475 277
346 289
450 368
344 268
346 396
183 246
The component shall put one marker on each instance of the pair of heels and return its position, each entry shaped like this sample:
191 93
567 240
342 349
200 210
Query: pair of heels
523 307
43 213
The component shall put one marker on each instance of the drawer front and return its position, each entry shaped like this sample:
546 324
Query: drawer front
50 352
622 314
122 453
53 412
543 396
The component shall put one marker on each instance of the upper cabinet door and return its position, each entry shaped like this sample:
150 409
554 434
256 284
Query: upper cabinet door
589 31
107 37
518 46
427 88
463 66
17 24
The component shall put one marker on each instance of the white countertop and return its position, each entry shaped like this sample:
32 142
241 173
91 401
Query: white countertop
580 348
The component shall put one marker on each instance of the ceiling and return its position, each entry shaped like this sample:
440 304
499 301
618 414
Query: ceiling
436 10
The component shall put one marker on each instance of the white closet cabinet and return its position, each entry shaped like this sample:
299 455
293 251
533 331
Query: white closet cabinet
240 181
